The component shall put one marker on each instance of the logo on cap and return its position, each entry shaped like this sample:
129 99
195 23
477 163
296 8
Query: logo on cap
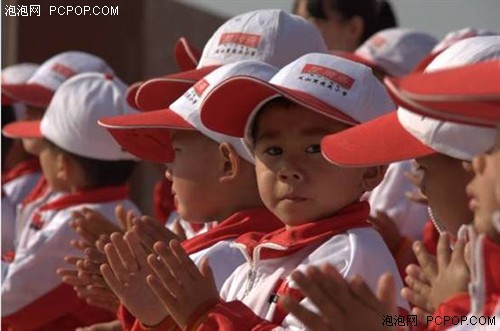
327 77
62 71
377 41
201 86
238 43
194 94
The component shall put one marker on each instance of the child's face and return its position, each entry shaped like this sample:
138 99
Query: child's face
51 166
443 182
193 174
295 182
33 145
483 191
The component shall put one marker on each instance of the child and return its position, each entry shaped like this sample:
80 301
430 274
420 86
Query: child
20 171
79 159
283 121
476 106
438 146
36 93
396 52
223 190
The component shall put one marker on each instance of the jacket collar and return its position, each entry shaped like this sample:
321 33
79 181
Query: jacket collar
98 195
285 242
28 167
249 220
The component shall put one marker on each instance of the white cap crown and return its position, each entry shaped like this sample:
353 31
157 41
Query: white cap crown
71 118
397 50
272 36
347 86
56 70
18 73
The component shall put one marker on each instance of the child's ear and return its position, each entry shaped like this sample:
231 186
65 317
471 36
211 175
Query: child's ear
373 176
231 162
356 26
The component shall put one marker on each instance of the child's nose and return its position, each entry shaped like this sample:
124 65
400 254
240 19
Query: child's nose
291 172
168 173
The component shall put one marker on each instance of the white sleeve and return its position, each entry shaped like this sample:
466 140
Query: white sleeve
32 274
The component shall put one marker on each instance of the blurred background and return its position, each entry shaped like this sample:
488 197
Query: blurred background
138 42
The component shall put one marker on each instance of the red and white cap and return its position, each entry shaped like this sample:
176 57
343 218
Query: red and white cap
16 74
395 51
147 135
450 39
187 57
70 120
270 35
407 135
468 94
40 88
338 88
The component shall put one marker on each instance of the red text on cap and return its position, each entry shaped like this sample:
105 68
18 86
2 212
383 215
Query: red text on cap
238 38
63 70
201 86
342 79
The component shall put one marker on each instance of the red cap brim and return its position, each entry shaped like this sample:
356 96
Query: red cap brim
377 142
146 135
242 95
186 55
132 93
468 94
23 129
30 94
159 93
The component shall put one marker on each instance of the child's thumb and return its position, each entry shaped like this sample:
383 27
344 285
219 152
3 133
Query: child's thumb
206 271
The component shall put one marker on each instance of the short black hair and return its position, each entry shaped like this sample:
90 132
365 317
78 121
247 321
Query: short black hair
376 14
100 173
279 101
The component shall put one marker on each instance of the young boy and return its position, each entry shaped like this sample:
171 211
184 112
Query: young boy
477 105
212 180
36 93
79 159
437 145
20 170
283 121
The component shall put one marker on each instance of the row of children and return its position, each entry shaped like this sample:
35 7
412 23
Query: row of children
277 141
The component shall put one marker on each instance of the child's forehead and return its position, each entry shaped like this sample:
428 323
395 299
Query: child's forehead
280 118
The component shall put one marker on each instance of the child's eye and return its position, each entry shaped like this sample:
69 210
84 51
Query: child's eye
313 148
273 151
177 149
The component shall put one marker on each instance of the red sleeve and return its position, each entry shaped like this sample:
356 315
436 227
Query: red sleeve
126 319
167 324
60 309
457 305
226 316
431 237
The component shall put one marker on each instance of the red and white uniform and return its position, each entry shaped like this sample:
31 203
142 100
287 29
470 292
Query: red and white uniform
17 183
251 292
483 298
33 296
389 197
217 243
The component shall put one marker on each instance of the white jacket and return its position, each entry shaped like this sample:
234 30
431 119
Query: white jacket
344 241
31 277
